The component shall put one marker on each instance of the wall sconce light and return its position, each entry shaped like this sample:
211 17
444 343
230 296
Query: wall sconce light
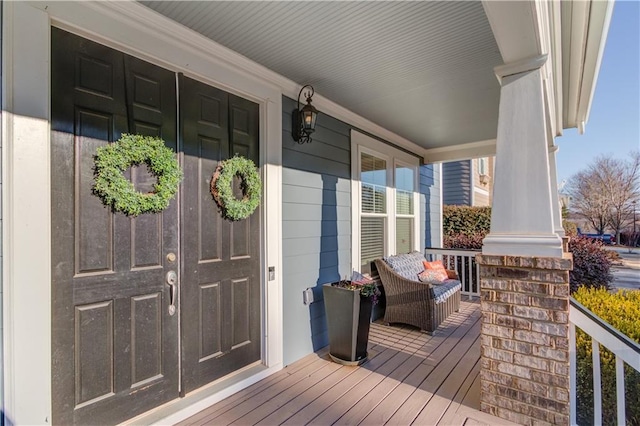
304 120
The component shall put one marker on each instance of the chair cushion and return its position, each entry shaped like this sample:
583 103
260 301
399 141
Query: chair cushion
433 276
441 292
407 265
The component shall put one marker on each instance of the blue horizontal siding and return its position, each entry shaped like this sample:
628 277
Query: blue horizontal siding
456 181
316 219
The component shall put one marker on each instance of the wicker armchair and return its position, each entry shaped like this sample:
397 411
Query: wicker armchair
412 302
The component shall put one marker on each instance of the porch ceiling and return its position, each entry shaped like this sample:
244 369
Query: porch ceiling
423 70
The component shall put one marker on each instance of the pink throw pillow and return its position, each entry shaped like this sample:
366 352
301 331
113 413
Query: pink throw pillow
433 265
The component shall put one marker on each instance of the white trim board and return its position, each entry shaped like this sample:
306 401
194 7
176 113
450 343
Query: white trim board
26 131
480 190
467 151
26 212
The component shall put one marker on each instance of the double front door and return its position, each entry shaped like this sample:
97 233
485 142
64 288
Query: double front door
126 336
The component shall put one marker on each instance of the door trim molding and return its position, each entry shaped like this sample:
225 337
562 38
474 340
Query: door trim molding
27 213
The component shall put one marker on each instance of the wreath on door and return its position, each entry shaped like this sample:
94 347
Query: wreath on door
231 207
118 192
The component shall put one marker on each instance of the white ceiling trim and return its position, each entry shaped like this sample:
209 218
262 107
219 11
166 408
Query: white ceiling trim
523 65
575 17
574 33
467 151
599 20
515 25
555 20
584 34
526 36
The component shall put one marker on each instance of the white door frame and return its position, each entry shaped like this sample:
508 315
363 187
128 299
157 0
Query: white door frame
133 29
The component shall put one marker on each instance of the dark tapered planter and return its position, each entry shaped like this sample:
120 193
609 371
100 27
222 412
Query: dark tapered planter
348 317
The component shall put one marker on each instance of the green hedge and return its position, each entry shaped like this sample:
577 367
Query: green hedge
465 227
622 311
466 220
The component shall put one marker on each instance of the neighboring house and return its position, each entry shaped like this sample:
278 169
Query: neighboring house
468 182
565 201
107 317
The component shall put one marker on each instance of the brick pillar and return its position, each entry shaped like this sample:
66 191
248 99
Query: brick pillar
525 338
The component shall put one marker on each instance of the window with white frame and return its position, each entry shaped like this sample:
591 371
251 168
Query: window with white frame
483 166
385 199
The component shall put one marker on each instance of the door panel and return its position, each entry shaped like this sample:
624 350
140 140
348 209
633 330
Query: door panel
220 286
94 352
114 344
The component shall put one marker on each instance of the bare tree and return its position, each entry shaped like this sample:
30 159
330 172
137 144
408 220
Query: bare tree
604 192
622 186
587 200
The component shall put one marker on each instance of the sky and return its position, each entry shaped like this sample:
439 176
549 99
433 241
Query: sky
614 122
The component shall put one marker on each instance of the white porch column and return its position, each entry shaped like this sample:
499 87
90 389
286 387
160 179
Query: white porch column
522 218
555 196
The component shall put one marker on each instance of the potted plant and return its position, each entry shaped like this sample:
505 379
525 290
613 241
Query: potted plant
348 305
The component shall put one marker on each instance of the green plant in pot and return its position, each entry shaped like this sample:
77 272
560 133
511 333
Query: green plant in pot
348 305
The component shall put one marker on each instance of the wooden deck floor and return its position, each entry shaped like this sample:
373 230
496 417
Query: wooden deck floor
411 378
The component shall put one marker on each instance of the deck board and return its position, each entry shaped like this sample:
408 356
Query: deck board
410 378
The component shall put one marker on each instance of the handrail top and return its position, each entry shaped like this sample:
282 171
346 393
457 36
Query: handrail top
451 250
608 327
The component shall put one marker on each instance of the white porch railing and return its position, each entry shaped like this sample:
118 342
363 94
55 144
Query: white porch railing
601 333
461 261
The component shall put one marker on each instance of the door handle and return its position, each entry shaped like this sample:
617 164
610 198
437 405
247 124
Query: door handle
172 280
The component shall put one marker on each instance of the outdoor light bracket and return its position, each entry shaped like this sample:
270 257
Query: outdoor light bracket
304 119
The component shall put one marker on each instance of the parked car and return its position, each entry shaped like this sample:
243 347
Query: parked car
607 239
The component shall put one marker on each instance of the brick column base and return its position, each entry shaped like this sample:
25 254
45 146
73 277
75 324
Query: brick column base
525 338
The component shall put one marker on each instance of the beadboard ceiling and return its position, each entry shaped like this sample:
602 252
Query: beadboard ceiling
423 70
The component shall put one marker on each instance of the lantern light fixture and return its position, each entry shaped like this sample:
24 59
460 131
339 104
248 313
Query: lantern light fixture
304 119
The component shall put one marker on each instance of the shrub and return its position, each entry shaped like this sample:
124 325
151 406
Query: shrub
628 238
462 241
591 264
465 227
466 220
570 228
622 311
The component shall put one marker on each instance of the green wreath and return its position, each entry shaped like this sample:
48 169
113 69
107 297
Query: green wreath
231 207
117 191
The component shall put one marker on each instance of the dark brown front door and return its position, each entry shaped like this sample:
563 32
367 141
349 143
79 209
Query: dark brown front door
220 294
115 345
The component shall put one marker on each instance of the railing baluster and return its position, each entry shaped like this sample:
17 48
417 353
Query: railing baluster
597 383
477 292
469 261
620 390
463 274
573 366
